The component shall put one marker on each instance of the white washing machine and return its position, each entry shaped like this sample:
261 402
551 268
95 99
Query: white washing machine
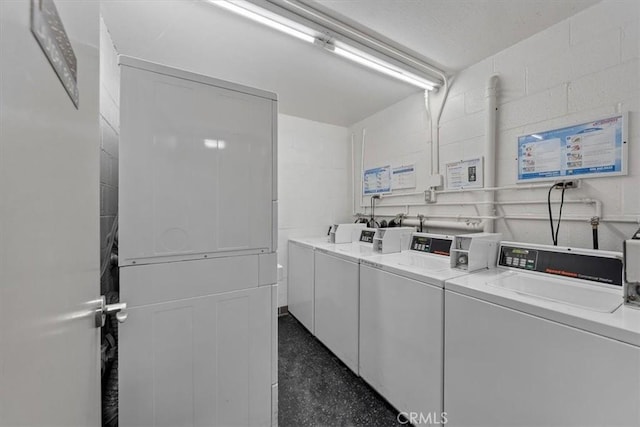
401 302
337 290
300 278
542 339
301 267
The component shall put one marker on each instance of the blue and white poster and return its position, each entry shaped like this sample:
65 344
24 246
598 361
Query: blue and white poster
587 150
376 181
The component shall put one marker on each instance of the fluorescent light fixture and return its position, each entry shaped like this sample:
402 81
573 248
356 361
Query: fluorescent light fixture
262 16
301 32
379 65
215 144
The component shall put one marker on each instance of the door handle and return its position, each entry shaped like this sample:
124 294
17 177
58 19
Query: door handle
119 309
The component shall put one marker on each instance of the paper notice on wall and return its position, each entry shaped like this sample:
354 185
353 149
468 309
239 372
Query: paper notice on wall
376 180
403 177
465 174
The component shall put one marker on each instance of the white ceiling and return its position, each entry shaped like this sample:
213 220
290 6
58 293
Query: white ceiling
310 82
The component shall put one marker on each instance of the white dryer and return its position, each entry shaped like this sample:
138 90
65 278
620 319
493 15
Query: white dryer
401 302
337 290
542 339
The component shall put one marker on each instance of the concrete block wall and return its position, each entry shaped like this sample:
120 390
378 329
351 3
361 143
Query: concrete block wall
314 189
580 69
109 131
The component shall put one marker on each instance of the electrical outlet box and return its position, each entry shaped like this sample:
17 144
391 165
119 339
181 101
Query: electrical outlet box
429 196
568 184
435 181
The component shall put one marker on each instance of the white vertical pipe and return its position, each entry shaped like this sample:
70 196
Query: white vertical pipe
353 174
361 177
490 150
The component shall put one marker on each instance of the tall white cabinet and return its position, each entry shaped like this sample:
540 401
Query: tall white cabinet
197 243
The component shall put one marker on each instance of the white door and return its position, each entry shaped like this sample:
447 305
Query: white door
49 225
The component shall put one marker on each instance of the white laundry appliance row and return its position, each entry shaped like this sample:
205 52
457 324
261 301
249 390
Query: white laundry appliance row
537 336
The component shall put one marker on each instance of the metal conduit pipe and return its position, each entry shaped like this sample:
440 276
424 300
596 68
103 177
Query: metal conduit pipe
491 95
486 189
453 225
611 219
413 193
353 172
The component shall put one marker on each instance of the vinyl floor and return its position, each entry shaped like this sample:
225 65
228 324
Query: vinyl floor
316 389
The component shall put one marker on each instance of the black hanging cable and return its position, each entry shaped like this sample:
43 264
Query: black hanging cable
373 223
550 213
595 221
564 187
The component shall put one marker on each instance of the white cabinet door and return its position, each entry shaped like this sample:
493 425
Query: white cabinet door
202 361
300 284
196 169
49 223
507 368
336 301
401 340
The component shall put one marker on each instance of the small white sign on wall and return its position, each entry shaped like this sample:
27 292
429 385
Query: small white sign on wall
403 177
465 174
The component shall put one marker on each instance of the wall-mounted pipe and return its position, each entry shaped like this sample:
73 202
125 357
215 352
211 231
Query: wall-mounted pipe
491 96
587 219
452 225
486 189
413 193
360 178
353 174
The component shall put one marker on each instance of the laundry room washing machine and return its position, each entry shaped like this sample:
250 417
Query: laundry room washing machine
401 315
542 339
300 278
337 289
301 267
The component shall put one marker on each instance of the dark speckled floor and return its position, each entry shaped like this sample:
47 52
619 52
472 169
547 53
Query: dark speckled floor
316 389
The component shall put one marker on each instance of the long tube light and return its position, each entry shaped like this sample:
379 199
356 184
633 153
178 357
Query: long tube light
301 32
262 16
362 58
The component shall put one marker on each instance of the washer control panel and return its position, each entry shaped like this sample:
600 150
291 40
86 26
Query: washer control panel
566 262
366 236
519 258
431 245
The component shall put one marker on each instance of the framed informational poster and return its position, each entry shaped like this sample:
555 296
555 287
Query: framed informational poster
593 149
403 177
376 181
465 174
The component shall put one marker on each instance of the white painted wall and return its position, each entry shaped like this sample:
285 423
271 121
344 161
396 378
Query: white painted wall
314 189
579 69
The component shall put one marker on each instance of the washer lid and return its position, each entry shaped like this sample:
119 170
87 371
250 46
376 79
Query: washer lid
492 286
551 289
427 268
